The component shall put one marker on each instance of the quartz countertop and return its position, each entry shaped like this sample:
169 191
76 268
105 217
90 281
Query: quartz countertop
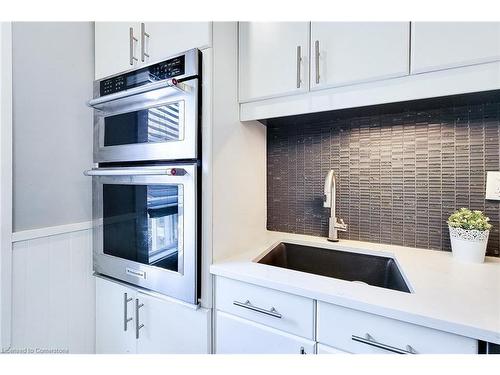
462 298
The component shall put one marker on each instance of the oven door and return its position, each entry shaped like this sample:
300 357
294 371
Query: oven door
157 121
145 227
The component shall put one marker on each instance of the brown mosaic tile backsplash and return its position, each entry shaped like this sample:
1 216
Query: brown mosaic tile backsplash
399 175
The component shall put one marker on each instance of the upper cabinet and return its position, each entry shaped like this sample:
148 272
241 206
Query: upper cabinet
356 64
164 39
116 47
121 46
443 45
273 59
344 53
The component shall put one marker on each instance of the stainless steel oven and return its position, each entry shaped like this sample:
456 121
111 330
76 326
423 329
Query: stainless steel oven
151 113
145 226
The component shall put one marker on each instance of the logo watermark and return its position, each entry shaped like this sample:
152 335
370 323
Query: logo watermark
27 350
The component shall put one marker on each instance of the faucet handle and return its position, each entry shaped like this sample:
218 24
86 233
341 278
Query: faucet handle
341 226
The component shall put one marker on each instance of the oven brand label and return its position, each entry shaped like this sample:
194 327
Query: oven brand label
136 273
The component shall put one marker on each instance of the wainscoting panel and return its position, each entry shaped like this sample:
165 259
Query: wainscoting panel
54 294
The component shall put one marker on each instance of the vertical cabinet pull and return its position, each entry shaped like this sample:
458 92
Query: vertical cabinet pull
138 326
132 39
299 62
316 59
144 35
126 319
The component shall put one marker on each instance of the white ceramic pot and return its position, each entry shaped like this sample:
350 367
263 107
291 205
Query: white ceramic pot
469 245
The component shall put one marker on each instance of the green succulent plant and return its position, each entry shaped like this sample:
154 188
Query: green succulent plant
470 220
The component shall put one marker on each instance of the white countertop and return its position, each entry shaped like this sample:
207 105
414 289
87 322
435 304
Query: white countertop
448 295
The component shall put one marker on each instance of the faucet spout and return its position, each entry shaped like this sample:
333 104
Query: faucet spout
334 225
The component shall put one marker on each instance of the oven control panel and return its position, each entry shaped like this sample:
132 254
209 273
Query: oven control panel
163 70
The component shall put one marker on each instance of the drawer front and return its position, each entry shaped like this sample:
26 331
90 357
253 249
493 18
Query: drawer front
287 312
359 332
235 335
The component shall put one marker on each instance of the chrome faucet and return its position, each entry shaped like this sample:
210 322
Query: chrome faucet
334 225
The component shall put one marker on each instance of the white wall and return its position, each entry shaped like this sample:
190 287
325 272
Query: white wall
53 289
53 70
239 155
5 181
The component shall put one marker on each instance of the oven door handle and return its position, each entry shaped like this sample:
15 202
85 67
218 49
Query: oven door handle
135 172
169 83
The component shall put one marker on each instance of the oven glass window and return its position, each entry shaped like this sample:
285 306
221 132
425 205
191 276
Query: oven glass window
162 123
143 223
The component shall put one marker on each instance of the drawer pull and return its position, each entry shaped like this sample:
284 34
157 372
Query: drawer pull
247 305
369 340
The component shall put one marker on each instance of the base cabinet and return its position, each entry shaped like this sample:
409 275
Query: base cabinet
129 321
364 333
267 324
114 304
235 335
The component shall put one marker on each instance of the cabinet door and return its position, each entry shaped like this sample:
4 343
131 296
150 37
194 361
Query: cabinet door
443 45
169 38
171 327
240 336
273 59
344 53
114 304
112 47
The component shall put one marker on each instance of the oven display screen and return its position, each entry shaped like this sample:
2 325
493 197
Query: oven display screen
166 69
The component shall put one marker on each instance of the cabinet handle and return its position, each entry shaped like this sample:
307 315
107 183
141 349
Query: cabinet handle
132 39
369 340
144 35
316 59
247 305
126 319
138 326
299 61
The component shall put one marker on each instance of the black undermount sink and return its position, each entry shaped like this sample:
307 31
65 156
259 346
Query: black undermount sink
370 269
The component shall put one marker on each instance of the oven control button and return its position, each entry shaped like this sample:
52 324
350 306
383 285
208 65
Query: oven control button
176 172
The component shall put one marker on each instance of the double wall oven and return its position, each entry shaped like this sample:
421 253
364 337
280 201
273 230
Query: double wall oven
146 178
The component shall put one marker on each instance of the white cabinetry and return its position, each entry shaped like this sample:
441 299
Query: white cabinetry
169 38
115 47
301 325
360 332
114 304
253 319
270 307
344 53
129 321
273 59
241 336
355 64
172 328
121 46
443 45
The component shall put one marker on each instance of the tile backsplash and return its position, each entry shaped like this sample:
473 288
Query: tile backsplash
400 172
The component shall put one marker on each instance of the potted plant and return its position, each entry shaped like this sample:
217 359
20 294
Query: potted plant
469 231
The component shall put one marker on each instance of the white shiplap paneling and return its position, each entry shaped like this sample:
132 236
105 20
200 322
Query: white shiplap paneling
53 293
